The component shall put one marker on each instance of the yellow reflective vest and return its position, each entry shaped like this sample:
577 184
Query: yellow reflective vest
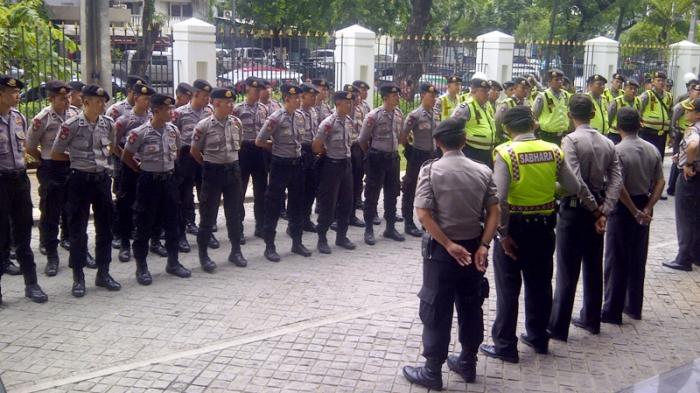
600 119
480 128
621 103
657 112
553 117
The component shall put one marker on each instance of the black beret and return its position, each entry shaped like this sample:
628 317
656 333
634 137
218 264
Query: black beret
9 81
161 100
631 81
692 82
508 84
596 78
427 88
477 82
360 84
647 80
132 80
221 93
554 72
252 81
320 82
57 87
201 84
619 77
495 85
76 85
628 117
308 88
95 91
388 88
518 116
581 106
669 82
343 95
450 126
695 86
289 89
659 74
143 90
351 88
184 88
266 83
454 79
521 81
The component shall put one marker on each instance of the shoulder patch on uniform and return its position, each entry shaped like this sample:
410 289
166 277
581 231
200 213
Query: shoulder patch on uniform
327 128
65 131
197 134
133 136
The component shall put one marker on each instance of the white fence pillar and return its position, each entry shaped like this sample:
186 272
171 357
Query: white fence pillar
354 57
194 51
494 55
684 58
600 57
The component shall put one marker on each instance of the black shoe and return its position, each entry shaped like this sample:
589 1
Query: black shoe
671 192
125 253
579 323
369 238
283 214
604 318
78 289
413 231
421 376
183 245
158 248
213 243
271 254
35 294
309 227
663 197
541 349
65 244
12 269
51 265
398 219
356 222
392 233
677 266
116 244
322 246
143 276
258 233
237 258
215 228
345 243
376 220
334 226
490 351
299 249
466 370
42 250
241 240
90 261
176 269
191 228
633 315
557 336
104 280
207 264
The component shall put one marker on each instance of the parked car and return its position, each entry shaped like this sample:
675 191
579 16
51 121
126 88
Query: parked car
275 75
160 70
249 56
223 59
322 56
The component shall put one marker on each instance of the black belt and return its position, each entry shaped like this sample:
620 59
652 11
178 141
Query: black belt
334 161
55 164
249 144
541 219
15 174
226 167
573 201
91 176
160 176
286 160
384 154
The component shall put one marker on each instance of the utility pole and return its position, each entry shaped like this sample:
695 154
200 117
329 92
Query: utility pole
95 48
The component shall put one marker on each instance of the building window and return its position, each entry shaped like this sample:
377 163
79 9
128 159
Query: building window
180 10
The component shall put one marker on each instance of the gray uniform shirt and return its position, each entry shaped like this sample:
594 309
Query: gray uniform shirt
156 148
128 122
118 109
640 163
381 129
456 190
334 132
45 126
13 132
678 113
185 118
421 123
592 158
323 110
692 135
218 141
307 123
73 111
270 107
284 132
252 118
87 144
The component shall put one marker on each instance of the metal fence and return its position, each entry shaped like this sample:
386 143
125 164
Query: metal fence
639 61
536 57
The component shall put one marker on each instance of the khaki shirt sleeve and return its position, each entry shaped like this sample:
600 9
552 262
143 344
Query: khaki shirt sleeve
425 197
613 178
501 184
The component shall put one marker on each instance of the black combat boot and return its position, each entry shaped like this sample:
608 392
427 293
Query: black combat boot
322 245
176 269
428 376
464 365
207 264
78 289
143 276
104 280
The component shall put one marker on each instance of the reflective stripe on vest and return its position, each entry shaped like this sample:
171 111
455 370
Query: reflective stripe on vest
480 128
446 106
621 103
600 118
553 118
656 115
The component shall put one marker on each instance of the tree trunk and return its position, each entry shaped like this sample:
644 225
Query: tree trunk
409 66
150 31
620 19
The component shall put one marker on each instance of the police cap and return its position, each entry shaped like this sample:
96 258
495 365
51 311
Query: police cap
320 83
596 78
478 82
143 90
161 100
455 79
309 88
133 80
351 88
669 82
360 84
555 72
520 81
289 90
427 88
57 87
184 88
95 91
508 84
388 88
221 93
659 75
628 119
76 85
692 82
632 82
343 95
495 85
10 81
201 84
252 81
266 83
448 127
619 77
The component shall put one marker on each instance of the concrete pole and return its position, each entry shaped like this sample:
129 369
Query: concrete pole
95 48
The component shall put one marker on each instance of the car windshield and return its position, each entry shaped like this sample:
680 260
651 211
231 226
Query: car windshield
256 53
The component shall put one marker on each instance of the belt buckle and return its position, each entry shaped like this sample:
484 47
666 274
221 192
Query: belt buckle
573 202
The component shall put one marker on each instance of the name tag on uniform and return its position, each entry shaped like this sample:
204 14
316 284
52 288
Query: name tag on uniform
152 148
20 135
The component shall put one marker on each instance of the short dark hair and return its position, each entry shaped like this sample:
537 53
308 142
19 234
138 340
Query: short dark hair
452 141
628 120
581 107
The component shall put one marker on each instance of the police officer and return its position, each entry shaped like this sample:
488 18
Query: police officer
271 105
87 139
282 136
364 90
580 229
15 197
627 240
520 92
323 110
333 143
687 196
615 89
253 159
452 194
183 94
379 140
157 144
215 145
449 101
357 155
494 95
534 81
480 125
185 118
656 113
419 126
526 172
679 124
596 86
508 87
52 174
121 107
627 99
550 109
75 96
307 121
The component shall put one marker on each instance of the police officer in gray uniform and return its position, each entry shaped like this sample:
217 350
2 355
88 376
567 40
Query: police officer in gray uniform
307 121
322 108
15 198
452 194
379 139
157 144
357 155
282 136
215 145
88 140
335 184
419 125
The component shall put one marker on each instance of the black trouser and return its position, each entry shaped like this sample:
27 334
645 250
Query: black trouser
218 180
652 136
156 199
535 239
16 221
579 248
285 173
308 159
614 137
53 176
253 162
383 172
551 137
126 196
414 159
116 180
335 195
483 156
190 176
626 246
86 190
673 176
447 285
688 220
357 157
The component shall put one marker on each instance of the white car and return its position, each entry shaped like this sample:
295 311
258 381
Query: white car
273 74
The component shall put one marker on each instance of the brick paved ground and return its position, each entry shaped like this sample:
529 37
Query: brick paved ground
340 323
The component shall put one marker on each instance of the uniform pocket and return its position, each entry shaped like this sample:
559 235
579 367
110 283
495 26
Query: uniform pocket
428 311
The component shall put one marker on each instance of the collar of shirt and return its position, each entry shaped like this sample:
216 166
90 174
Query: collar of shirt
453 153
525 137
5 118
585 128
217 121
